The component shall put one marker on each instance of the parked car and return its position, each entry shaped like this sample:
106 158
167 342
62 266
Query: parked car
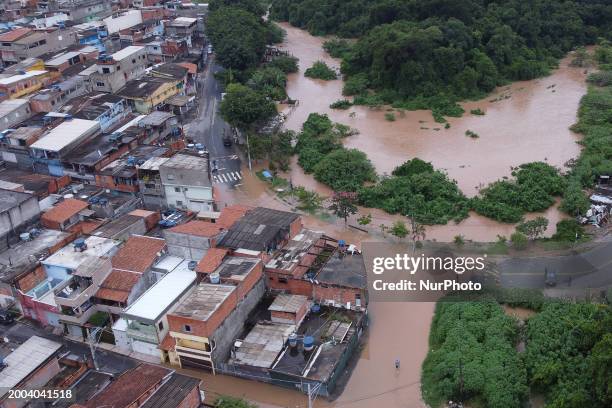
6 317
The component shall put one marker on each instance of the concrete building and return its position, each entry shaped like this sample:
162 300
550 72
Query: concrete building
73 296
79 11
18 46
187 182
149 183
26 83
51 99
15 145
13 112
146 324
123 20
39 302
64 215
49 150
314 265
159 126
106 109
20 268
77 55
148 94
131 275
183 28
114 71
193 239
18 212
203 327
262 231
29 366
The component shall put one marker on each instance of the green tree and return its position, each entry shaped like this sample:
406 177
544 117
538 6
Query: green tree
519 240
232 402
399 230
320 70
343 205
344 169
239 37
533 228
243 107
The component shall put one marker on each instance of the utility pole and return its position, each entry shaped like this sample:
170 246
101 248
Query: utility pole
91 340
309 397
249 153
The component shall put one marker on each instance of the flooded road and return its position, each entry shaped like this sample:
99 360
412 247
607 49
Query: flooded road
525 121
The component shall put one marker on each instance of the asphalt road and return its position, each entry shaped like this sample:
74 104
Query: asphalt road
589 269
208 128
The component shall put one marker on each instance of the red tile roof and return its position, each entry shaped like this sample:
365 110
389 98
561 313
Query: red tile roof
118 285
198 228
64 210
14 34
229 215
129 387
211 261
138 254
191 68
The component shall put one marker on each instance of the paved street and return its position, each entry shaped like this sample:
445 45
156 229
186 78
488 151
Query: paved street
208 129
589 269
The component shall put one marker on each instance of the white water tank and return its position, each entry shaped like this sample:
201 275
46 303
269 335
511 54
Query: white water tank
215 278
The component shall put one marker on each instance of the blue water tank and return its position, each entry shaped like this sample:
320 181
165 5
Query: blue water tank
79 243
308 343
131 161
94 200
315 308
341 243
103 201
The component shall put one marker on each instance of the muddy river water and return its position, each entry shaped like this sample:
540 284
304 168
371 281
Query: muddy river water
525 121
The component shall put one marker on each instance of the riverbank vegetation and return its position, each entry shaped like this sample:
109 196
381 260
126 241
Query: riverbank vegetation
415 189
320 70
320 152
595 124
437 52
475 355
533 189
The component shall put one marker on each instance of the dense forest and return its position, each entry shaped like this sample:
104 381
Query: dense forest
473 354
417 53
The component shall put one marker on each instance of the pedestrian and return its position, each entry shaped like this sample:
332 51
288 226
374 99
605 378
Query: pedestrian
397 363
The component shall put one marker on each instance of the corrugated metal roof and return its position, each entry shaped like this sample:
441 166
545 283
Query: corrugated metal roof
65 134
25 360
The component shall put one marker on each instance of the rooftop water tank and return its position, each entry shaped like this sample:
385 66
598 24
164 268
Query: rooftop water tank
315 308
215 278
308 343
68 196
293 339
25 236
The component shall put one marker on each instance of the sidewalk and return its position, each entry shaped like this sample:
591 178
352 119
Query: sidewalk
116 349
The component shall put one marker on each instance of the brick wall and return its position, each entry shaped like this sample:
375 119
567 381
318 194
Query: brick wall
192 400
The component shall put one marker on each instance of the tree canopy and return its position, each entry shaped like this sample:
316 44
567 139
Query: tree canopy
244 107
446 48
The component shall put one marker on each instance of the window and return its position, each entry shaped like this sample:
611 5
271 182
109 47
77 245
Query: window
282 280
187 328
177 189
133 61
106 70
170 176
100 84
179 203
160 325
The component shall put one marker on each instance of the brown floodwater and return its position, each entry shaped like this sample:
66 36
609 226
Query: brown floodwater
528 121
523 122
